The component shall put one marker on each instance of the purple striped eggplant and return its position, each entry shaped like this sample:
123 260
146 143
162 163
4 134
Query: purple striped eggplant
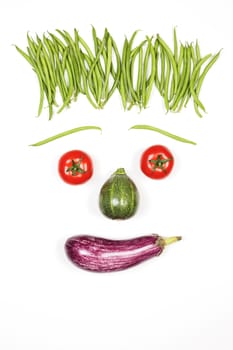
106 255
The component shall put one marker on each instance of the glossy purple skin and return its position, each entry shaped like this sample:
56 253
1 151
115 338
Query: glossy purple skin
105 255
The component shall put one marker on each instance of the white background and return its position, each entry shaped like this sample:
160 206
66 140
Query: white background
181 300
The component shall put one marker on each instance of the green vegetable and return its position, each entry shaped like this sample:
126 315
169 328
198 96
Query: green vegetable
66 64
118 198
65 133
201 79
172 60
163 132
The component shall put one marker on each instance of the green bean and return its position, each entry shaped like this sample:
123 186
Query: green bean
193 55
74 61
68 67
89 58
98 50
124 60
118 71
86 47
123 79
201 79
95 40
193 81
177 56
156 50
197 49
108 67
181 57
163 132
123 92
65 133
136 49
47 77
58 49
58 42
41 89
32 50
64 58
66 36
50 53
205 71
43 71
32 45
97 74
135 99
133 58
184 99
81 68
149 83
185 81
35 69
140 72
175 43
162 70
59 74
41 102
187 98
128 70
39 66
136 92
27 57
75 74
49 66
172 60
73 64
145 67
167 80
95 83
93 86
197 110
71 86
103 55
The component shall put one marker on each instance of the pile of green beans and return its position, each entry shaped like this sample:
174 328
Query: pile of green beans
180 73
68 66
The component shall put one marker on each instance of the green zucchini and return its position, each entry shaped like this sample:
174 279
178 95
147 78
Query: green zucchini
118 198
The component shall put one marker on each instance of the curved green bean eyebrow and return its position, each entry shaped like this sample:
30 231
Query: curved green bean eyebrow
65 133
163 132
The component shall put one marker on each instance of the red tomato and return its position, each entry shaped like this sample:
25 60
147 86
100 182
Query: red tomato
157 162
75 167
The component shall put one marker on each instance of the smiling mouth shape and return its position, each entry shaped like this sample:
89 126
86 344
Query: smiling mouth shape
106 255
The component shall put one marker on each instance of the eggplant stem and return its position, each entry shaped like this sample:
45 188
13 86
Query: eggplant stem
170 240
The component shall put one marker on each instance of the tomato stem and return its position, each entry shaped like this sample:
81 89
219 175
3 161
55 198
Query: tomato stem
159 162
75 168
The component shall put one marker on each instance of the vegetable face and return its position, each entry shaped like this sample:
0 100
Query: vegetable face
157 162
106 255
118 198
75 167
